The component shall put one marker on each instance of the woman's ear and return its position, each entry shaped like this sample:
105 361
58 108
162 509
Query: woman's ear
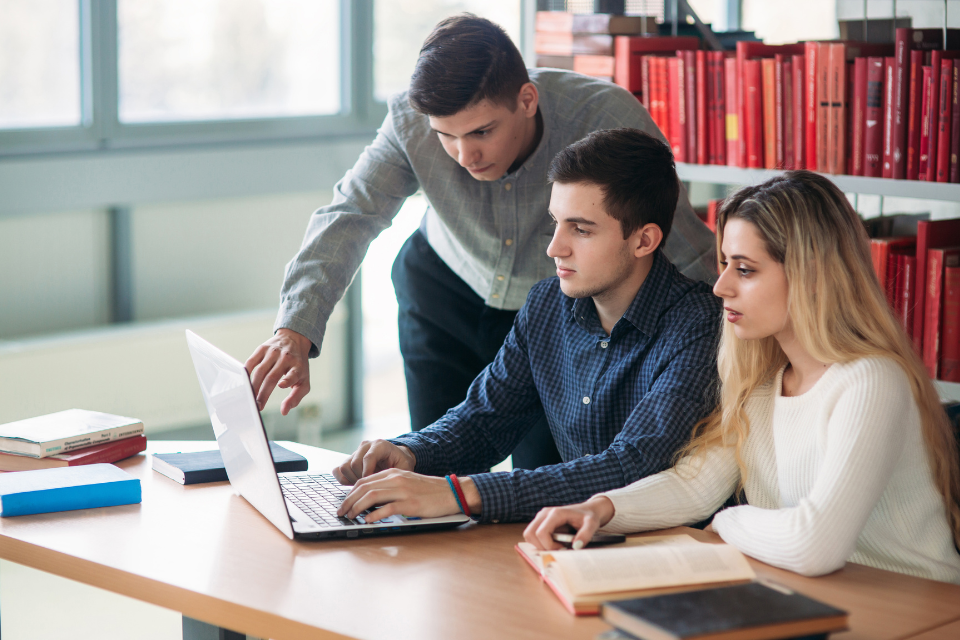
646 239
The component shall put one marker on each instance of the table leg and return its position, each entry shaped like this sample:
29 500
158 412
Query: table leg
197 630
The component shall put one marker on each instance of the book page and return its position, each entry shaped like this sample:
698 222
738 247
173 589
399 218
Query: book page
538 557
596 571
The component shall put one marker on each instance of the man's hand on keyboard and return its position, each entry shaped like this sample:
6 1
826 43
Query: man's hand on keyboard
402 492
372 457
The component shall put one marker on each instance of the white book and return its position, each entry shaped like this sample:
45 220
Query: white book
65 431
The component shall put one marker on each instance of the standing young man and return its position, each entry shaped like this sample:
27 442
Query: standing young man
476 132
617 353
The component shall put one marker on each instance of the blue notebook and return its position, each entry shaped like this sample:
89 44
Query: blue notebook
66 488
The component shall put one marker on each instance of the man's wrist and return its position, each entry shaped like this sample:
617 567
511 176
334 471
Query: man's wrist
472 494
302 341
409 455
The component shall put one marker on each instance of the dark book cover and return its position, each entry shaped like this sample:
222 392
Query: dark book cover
701 614
915 102
207 466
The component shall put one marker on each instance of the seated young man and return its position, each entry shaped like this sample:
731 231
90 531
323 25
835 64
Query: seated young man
618 352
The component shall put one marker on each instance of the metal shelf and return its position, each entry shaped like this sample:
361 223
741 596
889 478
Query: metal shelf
720 174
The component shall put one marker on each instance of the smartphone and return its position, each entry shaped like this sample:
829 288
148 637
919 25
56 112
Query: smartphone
598 539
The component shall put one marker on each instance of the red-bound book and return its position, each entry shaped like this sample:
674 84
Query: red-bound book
888 69
799 71
711 221
955 123
824 109
628 50
847 104
771 142
880 251
937 261
873 120
596 66
901 86
753 108
690 101
944 119
644 81
894 288
857 112
718 116
811 104
914 107
732 128
909 292
950 348
677 108
838 109
785 111
936 57
931 234
702 139
926 113
107 452
658 91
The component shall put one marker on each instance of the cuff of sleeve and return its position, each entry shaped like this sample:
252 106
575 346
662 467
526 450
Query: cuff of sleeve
725 524
498 497
425 464
621 506
304 320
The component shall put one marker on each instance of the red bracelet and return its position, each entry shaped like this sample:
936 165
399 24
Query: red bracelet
463 498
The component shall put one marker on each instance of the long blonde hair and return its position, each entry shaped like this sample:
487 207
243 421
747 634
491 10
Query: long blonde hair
838 312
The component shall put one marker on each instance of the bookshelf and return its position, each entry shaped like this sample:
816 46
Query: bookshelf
719 174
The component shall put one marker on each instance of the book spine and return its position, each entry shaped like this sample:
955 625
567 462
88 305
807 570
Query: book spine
677 109
732 128
873 129
753 109
914 108
718 117
950 360
888 71
933 303
848 128
595 66
944 116
799 70
785 110
660 91
644 81
935 60
811 102
124 449
838 112
690 102
925 121
909 293
104 494
923 242
900 102
824 111
740 75
701 138
770 121
858 111
955 123
65 445
890 282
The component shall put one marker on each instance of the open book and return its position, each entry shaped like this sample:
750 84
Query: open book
639 567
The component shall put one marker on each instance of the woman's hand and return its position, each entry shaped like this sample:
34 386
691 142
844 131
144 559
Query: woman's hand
585 517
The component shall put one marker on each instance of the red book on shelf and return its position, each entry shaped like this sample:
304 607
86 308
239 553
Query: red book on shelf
955 123
931 234
711 221
745 51
732 128
702 139
770 140
718 116
914 107
644 81
785 111
950 349
944 118
658 85
753 107
811 104
690 101
909 292
901 86
628 50
107 452
926 118
880 251
824 109
857 112
848 127
677 108
838 109
894 289
873 119
799 71
596 66
936 57
888 71
937 261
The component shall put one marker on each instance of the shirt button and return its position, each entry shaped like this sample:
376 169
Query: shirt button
586 399
508 186
603 345
496 295
508 242
500 278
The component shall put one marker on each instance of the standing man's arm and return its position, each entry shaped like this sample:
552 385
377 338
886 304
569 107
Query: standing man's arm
338 235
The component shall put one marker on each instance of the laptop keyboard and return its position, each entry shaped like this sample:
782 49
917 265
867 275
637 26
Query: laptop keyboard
319 496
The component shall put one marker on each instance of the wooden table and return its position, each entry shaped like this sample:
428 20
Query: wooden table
205 552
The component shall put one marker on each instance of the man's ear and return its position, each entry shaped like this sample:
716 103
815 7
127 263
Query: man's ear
528 99
646 239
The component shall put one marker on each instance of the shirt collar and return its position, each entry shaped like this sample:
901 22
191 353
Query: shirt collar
539 154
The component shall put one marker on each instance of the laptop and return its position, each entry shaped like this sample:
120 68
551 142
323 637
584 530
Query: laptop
301 505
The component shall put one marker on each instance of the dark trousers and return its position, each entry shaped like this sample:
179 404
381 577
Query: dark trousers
447 336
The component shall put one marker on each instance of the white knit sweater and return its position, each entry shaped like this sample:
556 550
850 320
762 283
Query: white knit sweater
837 474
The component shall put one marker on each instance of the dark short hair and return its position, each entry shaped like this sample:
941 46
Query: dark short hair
635 171
464 60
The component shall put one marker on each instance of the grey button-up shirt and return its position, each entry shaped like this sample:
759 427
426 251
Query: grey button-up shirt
494 235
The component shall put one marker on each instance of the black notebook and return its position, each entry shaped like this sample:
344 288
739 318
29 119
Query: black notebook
207 466
751 611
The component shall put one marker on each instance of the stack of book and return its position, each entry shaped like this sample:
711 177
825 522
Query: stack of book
68 439
584 42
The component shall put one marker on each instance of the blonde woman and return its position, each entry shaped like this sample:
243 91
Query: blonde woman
827 419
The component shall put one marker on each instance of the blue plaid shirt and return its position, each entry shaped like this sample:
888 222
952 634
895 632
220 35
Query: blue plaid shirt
618 406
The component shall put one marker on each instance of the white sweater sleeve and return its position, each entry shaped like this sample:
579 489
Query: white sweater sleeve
685 494
863 438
